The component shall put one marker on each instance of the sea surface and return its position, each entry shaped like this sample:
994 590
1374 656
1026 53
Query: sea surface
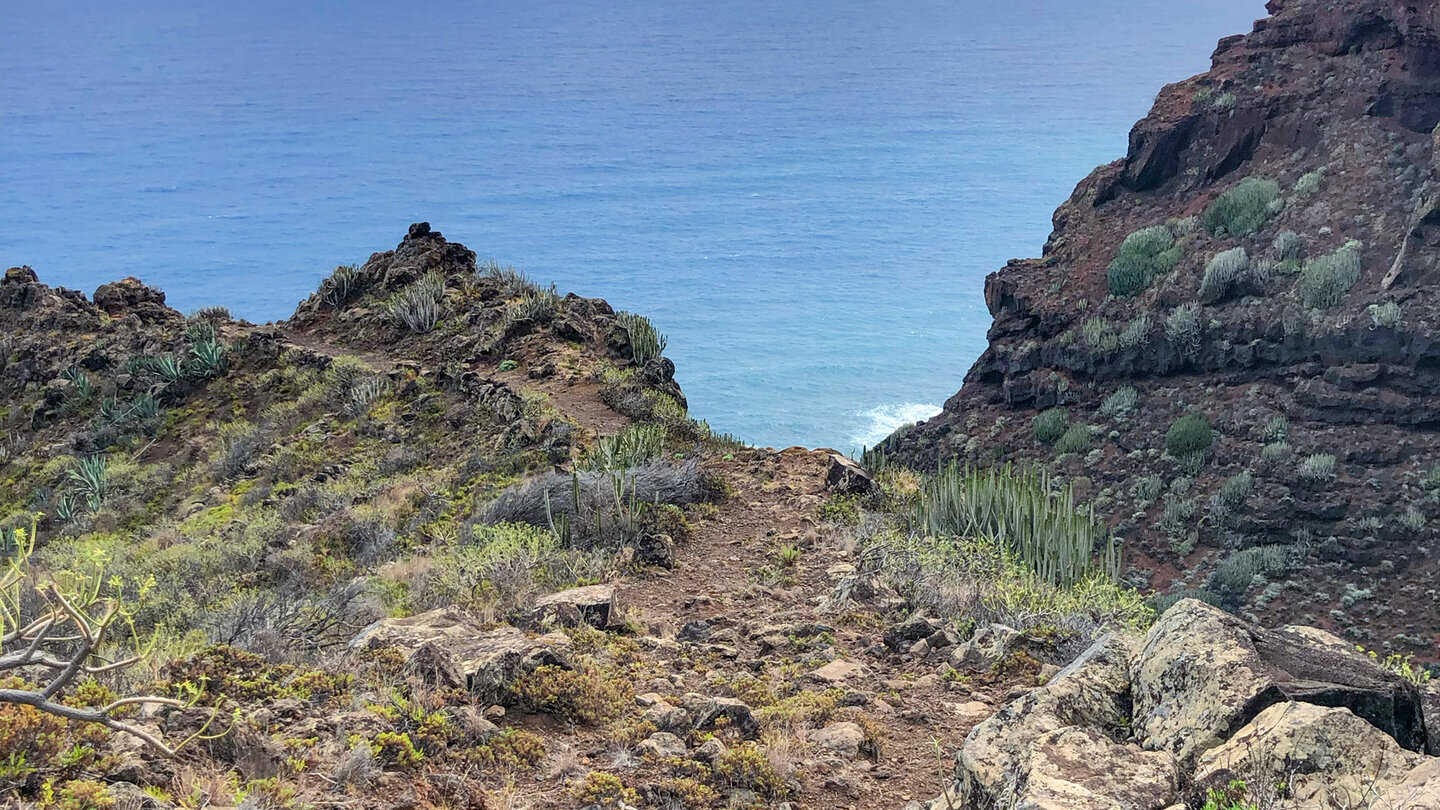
805 196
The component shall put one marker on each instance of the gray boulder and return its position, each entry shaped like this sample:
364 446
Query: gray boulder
1203 674
1325 755
450 645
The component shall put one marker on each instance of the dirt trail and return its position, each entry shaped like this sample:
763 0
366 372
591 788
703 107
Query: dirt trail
719 579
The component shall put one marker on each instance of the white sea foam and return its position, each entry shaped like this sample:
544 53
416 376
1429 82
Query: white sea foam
881 421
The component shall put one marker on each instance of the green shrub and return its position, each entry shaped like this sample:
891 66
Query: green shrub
1275 452
1146 489
1431 479
1309 182
631 447
1318 467
1188 434
1182 330
604 790
586 694
1221 274
1143 255
1057 540
1136 331
645 341
417 307
1100 335
1238 572
1277 429
1386 315
1050 425
1288 245
1076 439
1242 209
1120 402
1324 280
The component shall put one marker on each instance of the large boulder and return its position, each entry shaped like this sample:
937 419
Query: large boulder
1082 769
594 605
845 477
449 647
1203 674
1326 756
1093 693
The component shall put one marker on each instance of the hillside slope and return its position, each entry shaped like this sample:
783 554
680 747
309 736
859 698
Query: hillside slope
1264 257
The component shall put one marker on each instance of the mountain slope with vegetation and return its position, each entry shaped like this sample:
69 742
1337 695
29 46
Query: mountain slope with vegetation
446 538
1228 346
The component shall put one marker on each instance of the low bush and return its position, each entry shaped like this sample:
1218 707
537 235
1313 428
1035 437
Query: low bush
1309 182
1143 255
1287 245
417 307
591 508
1317 467
1050 425
1120 402
1242 209
1076 439
585 694
1188 434
978 579
1324 280
646 342
1221 275
633 446
1277 429
604 790
1384 316
1182 330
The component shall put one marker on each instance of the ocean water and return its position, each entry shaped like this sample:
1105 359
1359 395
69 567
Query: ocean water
805 196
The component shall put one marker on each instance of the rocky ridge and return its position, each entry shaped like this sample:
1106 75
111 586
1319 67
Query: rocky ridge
1263 257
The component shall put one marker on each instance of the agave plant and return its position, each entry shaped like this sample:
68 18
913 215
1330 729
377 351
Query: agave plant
145 407
110 412
208 359
67 507
84 389
199 330
364 394
1061 543
91 476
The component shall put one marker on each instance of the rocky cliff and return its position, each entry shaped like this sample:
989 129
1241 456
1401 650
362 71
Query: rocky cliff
1263 258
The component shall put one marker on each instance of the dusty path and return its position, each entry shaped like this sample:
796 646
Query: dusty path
719 579
730 575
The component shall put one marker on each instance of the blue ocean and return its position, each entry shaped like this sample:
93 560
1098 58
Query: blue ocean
805 196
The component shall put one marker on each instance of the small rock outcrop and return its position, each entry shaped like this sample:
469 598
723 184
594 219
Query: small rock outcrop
1202 701
447 647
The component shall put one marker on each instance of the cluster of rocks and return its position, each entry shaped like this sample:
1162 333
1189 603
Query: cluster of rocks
1201 701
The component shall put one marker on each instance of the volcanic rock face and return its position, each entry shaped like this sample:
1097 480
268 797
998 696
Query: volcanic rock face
1306 155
